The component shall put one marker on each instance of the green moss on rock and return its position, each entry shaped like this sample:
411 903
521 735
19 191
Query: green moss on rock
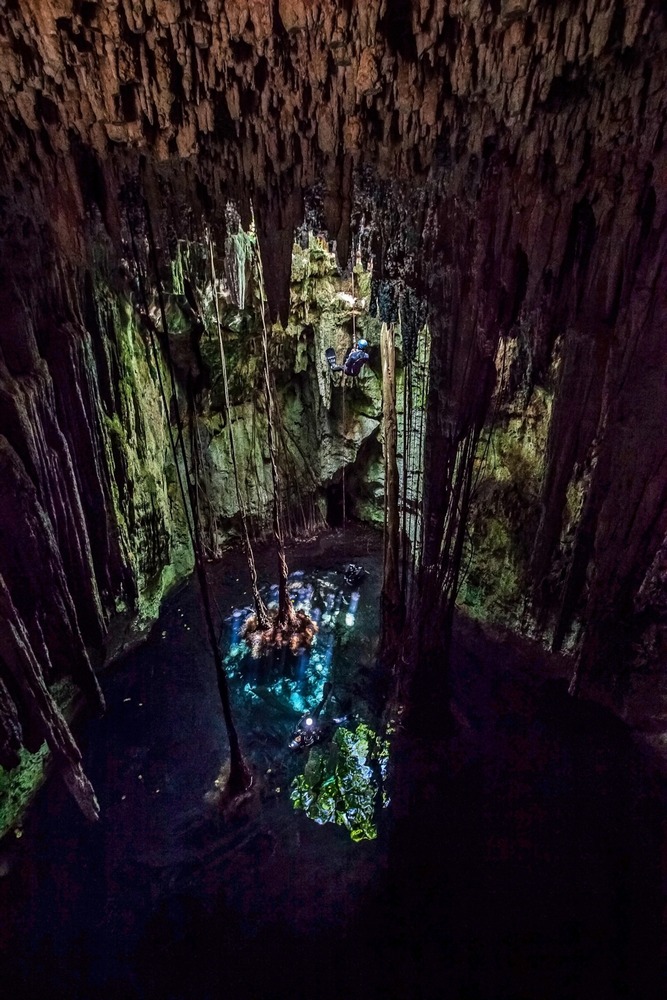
18 786
505 512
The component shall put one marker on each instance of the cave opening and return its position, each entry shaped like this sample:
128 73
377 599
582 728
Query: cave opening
332 462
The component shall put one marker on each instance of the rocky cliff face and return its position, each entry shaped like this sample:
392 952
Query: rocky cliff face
501 164
93 529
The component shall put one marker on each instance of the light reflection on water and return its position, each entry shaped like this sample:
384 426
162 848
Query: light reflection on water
342 780
345 782
296 678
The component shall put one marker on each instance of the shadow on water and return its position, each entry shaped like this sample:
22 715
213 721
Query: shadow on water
519 859
525 856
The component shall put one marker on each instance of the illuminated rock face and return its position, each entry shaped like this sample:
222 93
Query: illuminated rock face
504 162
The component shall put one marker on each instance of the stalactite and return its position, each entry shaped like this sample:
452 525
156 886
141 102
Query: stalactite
461 381
11 733
571 431
392 599
629 481
24 672
275 239
32 565
238 254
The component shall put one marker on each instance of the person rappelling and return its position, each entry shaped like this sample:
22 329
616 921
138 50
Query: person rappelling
354 361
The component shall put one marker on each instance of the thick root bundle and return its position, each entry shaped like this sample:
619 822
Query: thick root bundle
296 633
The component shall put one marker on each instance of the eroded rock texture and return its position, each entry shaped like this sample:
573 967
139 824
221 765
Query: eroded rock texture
503 166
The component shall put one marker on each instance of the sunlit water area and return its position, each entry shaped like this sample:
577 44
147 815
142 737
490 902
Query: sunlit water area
324 695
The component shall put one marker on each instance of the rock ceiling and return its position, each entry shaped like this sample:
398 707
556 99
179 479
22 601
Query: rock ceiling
261 97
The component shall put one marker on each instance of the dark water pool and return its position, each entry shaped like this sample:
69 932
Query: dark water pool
105 904
520 858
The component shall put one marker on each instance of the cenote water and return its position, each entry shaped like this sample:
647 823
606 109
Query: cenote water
519 858
288 863
341 778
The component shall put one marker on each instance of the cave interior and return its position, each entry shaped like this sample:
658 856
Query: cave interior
197 199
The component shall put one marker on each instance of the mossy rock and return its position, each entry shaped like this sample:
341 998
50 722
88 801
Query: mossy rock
505 512
18 787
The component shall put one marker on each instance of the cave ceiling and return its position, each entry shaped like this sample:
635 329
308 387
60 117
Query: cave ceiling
561 102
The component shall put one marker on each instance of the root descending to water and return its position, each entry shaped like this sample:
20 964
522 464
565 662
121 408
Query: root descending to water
296 632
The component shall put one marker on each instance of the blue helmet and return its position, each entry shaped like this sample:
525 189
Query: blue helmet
362 344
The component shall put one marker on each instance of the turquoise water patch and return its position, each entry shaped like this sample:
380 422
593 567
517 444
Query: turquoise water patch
342 779
296 679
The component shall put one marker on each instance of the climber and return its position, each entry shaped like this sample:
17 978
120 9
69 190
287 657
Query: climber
353 362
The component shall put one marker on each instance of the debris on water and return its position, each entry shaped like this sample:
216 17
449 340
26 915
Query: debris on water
293 635
354 574
127 699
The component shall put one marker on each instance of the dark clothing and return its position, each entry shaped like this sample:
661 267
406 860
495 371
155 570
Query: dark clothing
354 362
353 574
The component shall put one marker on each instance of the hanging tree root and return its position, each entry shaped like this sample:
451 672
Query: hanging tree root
230 798
297 631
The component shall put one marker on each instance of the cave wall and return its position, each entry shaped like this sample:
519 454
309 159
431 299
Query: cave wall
502 164
322 423
587 313
93 531
59 564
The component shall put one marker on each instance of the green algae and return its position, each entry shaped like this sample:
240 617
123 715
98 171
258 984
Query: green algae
345 784
504 514
18 786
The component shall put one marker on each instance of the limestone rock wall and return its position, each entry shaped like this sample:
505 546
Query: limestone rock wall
61 565
93 531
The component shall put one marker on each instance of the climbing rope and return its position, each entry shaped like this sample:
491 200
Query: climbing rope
286 614
354 342
239 776
407 437
418 540
156 361
344 456
260 607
